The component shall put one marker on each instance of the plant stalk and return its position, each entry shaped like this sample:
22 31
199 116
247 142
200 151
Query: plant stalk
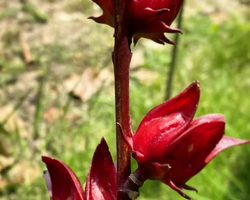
121 60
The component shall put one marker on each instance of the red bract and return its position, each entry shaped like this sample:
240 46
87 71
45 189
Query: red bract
147 19
172 147
63 184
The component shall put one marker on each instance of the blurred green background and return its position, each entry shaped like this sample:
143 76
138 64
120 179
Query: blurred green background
57 97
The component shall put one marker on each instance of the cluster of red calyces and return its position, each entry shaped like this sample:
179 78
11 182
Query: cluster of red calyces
145 19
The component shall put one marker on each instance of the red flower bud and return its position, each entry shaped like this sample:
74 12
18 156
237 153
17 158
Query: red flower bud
147 19
171 147
63 184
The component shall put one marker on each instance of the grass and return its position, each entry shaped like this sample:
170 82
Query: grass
215 54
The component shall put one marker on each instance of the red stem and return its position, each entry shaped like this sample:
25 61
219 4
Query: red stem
121 59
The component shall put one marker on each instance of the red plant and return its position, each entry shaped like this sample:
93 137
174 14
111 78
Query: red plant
63 184
147 19
171 147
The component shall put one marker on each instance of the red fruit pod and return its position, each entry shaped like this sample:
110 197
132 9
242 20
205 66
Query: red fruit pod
163 124
145 19
172 147
151 19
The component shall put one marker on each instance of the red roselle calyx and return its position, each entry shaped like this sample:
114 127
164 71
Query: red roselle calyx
145 19
170 146
63 184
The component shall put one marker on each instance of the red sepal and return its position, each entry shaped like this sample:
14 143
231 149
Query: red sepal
225 142
65 184
107 16
101 181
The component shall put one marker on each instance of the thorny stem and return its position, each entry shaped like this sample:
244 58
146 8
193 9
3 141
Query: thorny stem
121 59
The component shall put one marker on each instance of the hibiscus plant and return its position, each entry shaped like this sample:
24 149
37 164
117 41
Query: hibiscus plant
169 145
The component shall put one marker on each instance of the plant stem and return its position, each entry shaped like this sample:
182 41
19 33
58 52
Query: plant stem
174 56
121 59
